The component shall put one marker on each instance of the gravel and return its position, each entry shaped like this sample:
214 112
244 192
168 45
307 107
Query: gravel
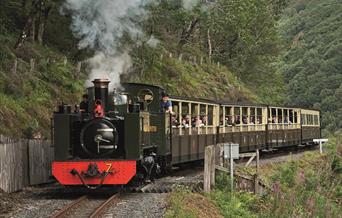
139 205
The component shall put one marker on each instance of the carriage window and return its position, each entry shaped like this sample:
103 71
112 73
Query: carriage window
237 119
221 116
195 119
280 116
252 116
291 116
308 120
203 114
286 116
295 117
274 115
245 115
259 116
175 116
210 115
185 115
229 116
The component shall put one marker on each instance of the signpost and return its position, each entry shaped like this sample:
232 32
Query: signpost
231 151
320 141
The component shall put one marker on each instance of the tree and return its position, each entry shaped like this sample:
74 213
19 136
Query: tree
36 13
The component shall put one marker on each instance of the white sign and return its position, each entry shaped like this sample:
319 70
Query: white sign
320 141
234 148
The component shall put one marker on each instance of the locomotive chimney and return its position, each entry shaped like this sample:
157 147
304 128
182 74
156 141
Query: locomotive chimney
101 91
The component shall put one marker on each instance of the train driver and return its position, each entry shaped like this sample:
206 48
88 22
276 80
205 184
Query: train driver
84 104
166 104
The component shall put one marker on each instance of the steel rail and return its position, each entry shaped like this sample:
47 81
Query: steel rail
103 206
68 207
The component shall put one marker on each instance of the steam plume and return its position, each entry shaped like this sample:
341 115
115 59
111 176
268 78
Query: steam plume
100 25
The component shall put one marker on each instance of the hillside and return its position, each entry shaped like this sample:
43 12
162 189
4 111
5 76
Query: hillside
33 79
184 48
312 59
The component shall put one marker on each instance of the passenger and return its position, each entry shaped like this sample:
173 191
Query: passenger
251 121
174 121
259 120
229 121
237 120
166 104
285 119
193 122
244 120
186 121
204 120
198 122
84 104
274 119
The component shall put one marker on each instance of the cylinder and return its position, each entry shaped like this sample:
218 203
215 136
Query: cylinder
101 91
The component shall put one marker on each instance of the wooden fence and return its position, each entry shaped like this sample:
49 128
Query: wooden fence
214 161
24 163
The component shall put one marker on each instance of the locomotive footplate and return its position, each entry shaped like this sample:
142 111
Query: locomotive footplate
94 172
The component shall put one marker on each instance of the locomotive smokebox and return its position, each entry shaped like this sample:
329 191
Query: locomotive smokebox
101 91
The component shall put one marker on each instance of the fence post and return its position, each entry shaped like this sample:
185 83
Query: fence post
213 163
180 57
207 167
65 61
15 65
256 177
31 65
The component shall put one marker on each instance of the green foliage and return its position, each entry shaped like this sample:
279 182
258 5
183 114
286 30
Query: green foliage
177 208
242 35
234 204
29 95
287 174
311 63
307 188
185 78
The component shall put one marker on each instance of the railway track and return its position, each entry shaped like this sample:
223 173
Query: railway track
86 206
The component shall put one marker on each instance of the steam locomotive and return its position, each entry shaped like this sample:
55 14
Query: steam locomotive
123 137
127 137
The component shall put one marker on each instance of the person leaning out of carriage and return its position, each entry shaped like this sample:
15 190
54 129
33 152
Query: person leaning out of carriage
166 104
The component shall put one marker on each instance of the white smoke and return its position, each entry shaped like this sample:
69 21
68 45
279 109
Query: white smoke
107 67
100 25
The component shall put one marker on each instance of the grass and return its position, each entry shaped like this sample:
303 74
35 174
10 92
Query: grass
308 187
29 95
185 204
186 78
